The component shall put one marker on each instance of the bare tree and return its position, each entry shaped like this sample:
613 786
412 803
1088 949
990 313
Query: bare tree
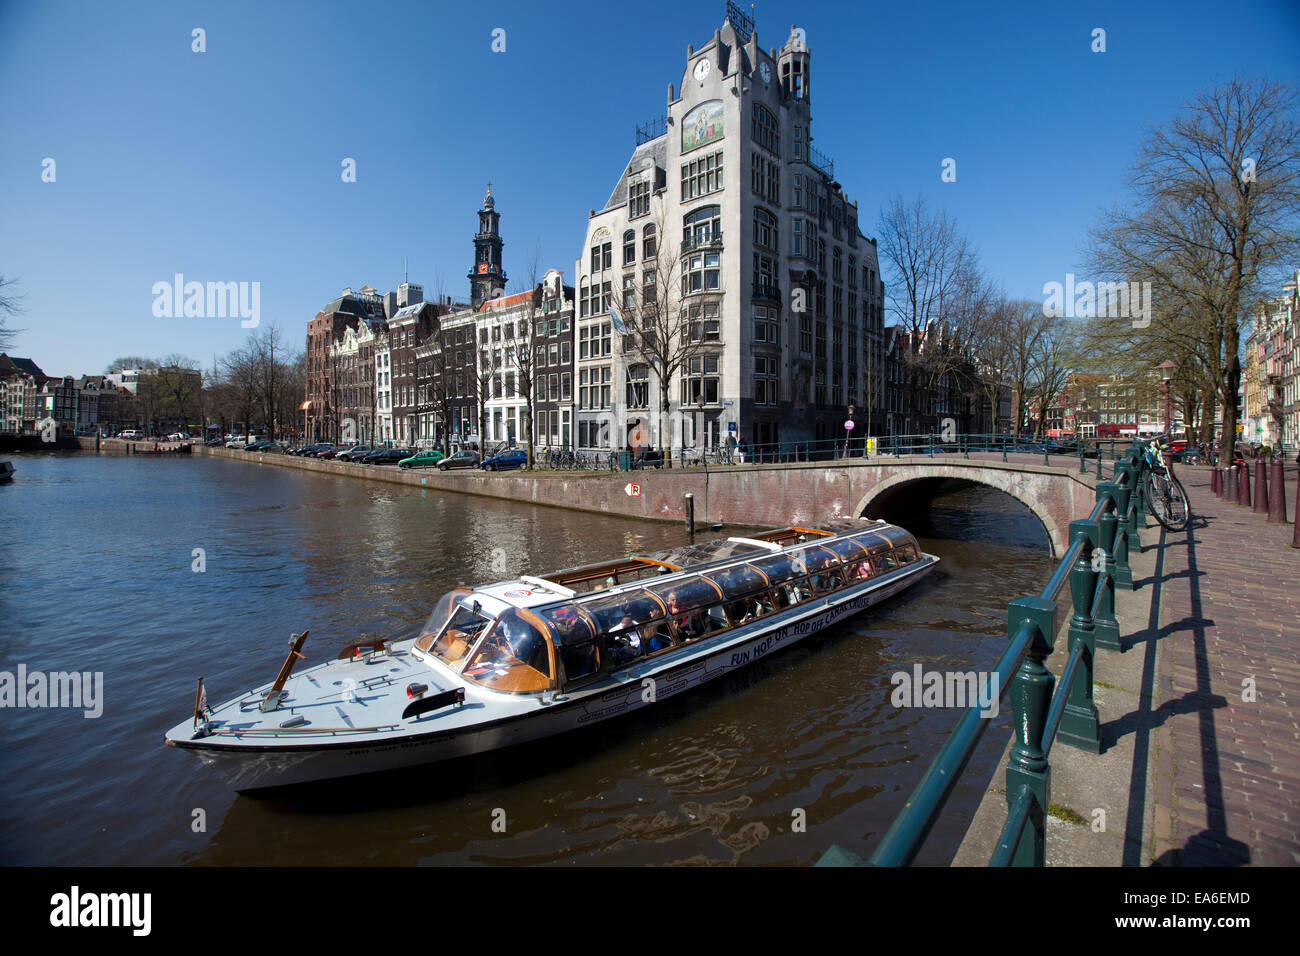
933 279
526 345
1212 224
660 330
10 304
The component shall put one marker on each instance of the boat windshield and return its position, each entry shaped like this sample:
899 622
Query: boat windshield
515 657
463 626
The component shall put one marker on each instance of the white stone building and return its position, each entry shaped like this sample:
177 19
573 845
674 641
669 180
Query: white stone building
776 287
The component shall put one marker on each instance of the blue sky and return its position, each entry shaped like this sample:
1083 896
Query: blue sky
225 165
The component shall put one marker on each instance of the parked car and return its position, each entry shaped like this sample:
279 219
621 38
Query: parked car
462 459
355 452
385 456
213 442
307 451
511 458
424 459
333 451
178 436
132 434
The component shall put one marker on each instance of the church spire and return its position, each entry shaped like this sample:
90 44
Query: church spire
487 279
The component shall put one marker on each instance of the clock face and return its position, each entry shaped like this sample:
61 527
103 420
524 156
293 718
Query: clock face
482 267
765 72
702 70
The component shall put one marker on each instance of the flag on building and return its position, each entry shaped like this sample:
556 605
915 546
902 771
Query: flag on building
619 325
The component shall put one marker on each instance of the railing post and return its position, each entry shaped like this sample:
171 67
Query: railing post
1082 468
1031 695
931 444
1079 724
1004 447
1126 510
965 441
1104 625
1098 459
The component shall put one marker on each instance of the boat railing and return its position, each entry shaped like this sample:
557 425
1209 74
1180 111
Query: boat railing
1095 565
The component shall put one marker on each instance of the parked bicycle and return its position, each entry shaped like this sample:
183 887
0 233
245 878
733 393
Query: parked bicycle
1164 492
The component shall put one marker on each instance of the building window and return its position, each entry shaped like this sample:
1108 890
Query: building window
798 142
629 247
700 272
701 381
765 325
594 341
702 321
765 130
602 257
702 176
638 200
638 386
648 241
702 225
764 380
629 291
766 232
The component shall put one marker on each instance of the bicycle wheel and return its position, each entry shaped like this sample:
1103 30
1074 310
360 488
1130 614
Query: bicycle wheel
1168 500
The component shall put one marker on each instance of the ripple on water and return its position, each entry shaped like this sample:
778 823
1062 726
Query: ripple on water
714 777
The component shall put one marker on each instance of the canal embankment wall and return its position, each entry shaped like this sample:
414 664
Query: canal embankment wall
775 494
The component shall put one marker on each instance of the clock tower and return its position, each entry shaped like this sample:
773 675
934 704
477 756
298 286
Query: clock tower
487 279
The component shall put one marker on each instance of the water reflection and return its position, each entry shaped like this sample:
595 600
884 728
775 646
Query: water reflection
716 776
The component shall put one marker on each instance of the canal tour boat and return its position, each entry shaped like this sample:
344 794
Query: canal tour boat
519 660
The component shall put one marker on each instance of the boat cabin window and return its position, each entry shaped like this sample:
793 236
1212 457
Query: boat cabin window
686 593
825 581
462 626
749 609
738 581
778 568
514 657
575 643
906 554
846 548
885 561
858 571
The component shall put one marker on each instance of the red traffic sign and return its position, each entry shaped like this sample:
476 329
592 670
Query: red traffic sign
848 426
633 491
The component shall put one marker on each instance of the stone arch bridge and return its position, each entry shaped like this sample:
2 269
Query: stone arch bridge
885 488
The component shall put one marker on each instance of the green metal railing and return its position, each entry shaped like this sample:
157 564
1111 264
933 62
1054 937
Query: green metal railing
1095 564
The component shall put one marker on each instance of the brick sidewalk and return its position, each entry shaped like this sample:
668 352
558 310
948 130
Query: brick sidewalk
1227 784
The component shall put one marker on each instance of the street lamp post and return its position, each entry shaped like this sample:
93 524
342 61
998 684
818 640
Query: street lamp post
1167 373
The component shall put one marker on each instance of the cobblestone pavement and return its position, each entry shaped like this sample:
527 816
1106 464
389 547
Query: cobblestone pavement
1227 767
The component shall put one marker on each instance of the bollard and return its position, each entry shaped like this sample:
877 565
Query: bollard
1260 498
1230 484
1277 494
688 501
1216 482
1080 726
1243 485
1031 696
1105 626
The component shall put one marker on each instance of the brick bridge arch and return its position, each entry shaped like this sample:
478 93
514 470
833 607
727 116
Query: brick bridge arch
1050 496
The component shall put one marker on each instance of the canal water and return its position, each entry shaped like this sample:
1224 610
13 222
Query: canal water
153 572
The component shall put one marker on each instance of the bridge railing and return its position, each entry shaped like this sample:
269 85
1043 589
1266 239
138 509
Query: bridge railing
1095 564
893 446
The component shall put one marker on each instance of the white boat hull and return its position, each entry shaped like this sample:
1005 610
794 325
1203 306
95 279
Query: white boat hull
250 765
